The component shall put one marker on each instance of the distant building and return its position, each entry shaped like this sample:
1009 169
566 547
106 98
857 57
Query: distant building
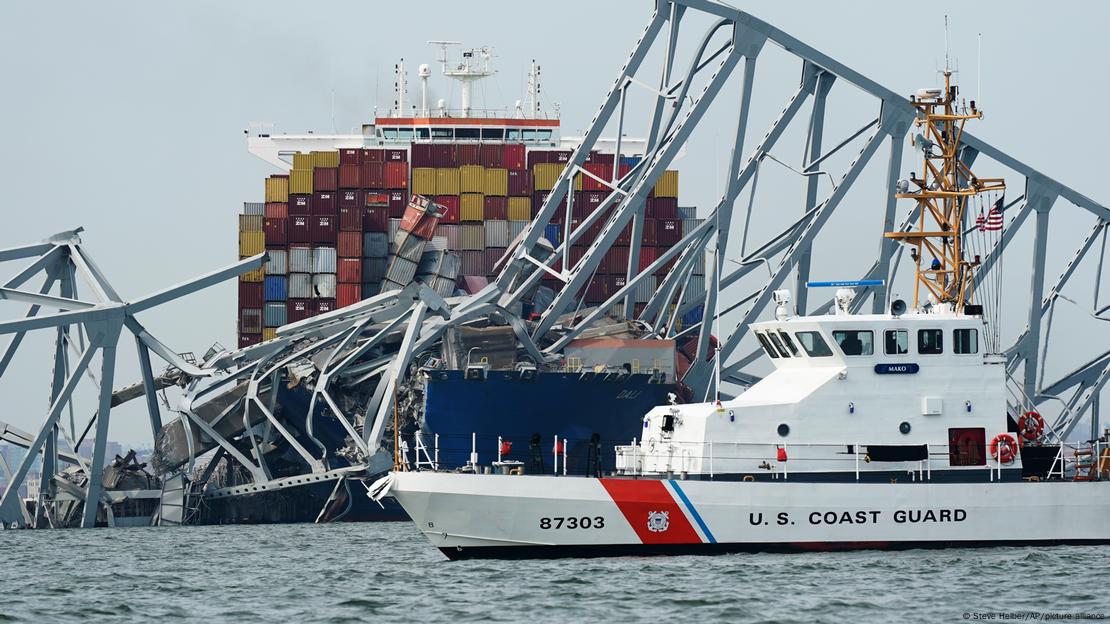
111 449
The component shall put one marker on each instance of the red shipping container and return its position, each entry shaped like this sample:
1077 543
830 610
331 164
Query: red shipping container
276 210
298 230
664 207
349 176
577 252
418 216
323 306
601 170
443 155
322 228
397 202
586 202
560 157
300 204
647 256
249 340
349 270
372 175
496 208
350 218
396 175
325 178
490 256
468 154
598 157
625 237
491 155
299 310
537 204
426 228
668 232
666 268
598 289
348 294
324 204
349 244
349 156
379 199
275 231
372 155
423 155
375 219
351 199
396 155
648 236
250 295
520 183
616 261
512 156
450 205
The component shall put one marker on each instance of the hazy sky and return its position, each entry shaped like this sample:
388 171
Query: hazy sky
128 117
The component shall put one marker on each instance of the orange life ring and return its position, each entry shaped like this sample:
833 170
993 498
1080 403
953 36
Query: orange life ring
1031 426
1004 448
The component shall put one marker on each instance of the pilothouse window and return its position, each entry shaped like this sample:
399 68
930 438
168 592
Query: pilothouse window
813 344
789 343
930 341
897 342
778 344
855 341
966 341
767 345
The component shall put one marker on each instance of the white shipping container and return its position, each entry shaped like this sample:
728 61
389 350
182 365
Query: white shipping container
408 246
300 286
644 290
438 243
323 260
323 285
497 233
394 227
278 264
689 225
401 271
451 233
695 289
516 227
472 237
388 286
300 259
256 209
449 268
687 212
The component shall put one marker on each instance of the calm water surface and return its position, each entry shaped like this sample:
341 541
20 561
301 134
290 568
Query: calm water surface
387 572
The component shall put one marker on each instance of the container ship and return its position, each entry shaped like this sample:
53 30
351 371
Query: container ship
437 196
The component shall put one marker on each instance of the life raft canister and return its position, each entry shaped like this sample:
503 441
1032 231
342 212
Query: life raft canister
1004 448
1031 426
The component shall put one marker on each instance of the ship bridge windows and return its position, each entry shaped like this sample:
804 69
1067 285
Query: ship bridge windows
468 133
930 341
493 133
767 346
789 343
442 133
813 343
965 341
423 133
855 341
896 342
775 340
512 134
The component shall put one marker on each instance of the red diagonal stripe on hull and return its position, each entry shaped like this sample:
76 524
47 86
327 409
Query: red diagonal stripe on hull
637 499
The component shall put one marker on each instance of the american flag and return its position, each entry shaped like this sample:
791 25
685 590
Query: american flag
980 221
994 217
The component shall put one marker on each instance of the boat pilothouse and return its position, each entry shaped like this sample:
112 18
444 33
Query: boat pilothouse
851 396
906 419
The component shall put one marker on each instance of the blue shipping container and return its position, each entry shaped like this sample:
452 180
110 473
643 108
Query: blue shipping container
551 233
631 161
693 316
275 288
274 314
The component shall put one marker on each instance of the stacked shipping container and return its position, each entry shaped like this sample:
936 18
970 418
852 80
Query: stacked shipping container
338 230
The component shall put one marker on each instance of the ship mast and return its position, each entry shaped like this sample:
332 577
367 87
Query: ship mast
942 196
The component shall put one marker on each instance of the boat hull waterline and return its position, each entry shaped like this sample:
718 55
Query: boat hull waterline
494 516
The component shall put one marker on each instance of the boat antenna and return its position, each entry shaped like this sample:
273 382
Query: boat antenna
946 66
979 71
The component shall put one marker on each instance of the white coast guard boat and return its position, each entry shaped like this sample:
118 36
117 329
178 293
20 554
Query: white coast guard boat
873 431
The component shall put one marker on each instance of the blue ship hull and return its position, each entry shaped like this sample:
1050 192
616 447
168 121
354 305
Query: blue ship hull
520 410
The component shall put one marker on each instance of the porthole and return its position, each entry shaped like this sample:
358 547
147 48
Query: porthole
784 430
904 427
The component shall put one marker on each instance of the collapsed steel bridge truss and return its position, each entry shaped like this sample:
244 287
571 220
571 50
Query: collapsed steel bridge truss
373 344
